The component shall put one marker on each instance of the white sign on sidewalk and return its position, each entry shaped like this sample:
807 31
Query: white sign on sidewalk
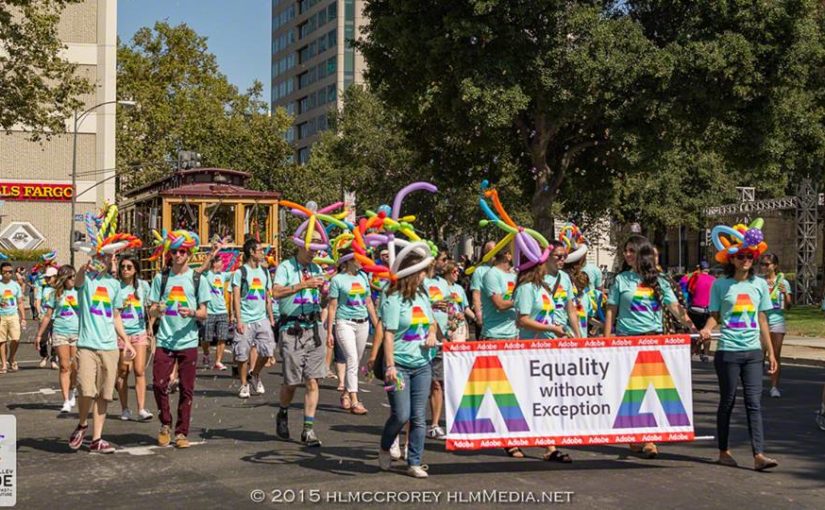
8 460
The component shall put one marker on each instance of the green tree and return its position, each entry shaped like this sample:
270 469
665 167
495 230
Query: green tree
39 88
186 103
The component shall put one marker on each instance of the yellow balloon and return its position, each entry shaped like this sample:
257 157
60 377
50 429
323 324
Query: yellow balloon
310 231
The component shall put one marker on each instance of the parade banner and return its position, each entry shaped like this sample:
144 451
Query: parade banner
568 392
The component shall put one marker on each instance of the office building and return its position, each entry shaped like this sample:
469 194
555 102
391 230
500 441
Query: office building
313 62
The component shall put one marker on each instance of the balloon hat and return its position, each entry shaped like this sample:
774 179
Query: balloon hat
304 236
731 240
174 240
530 245
3 256
101 230
574 241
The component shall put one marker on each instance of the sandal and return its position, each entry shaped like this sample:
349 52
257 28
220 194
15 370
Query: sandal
346 403
768 463
557 456
14 367
359 409
515 452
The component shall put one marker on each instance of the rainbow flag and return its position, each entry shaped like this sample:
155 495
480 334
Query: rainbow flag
256 290
743 314
419 326
486 375
175 300
650 369
357 295
644 300
509 294
547 308
101 304
68 307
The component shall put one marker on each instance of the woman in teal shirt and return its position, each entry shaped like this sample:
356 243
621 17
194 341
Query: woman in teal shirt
636 300
738 304
779 290
134 315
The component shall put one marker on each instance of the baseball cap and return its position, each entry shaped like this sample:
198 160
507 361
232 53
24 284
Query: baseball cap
704 264
51 271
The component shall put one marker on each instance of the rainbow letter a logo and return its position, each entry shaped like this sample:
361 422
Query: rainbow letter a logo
650 368
487 373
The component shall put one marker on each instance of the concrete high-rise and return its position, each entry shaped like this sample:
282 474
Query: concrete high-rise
313 62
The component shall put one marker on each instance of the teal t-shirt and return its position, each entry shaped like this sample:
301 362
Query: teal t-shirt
177 333
638 310
498 324
133 312
478 277
535 302
438 289
304 302
562 296
410 322
594 274
776 315
584 311
458 298
97 300
65 320
217 283
258 284
738 305
351 292
10 296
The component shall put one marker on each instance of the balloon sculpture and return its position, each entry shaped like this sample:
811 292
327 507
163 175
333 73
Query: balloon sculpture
574 241
531 248
174 240
731 240
313 218
101 230
3 256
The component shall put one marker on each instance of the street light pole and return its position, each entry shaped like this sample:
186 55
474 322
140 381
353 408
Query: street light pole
77 119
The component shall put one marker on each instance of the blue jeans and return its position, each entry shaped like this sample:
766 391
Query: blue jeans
731 366
409 404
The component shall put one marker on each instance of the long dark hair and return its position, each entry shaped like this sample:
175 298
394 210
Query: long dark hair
63 274
407 286
249 248
646 266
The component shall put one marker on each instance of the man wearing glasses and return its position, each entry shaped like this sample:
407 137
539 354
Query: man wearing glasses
12 316
297 286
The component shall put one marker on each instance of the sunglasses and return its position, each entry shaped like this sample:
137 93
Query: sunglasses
743 256
7 271
764 264
181 251
561 256
130 267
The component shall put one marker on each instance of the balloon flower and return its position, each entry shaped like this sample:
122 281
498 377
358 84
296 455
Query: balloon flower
531 248
166 242
313 218
574 241
103 238
731 240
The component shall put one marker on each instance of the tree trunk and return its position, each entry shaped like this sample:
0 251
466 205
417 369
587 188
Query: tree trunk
542 201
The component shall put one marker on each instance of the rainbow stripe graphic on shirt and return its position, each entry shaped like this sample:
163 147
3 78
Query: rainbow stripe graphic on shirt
357 295
486 375
307 297
560 297
650 369
547 308
68 307
508 295
581 314
101 304
256 290
176 300
456 298
644 300
8 300
216 287
132 308
435 293
419 326
743 314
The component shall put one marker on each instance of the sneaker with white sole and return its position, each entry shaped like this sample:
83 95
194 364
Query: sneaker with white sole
76 439
244 393
436 432
67 407
395 450
73 397
417 472
220 366
206 361
44 362
126 415
775 393
101 446
259 385
144 415
385 459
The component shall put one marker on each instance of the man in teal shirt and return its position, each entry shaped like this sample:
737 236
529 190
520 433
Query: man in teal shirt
475 288
497 300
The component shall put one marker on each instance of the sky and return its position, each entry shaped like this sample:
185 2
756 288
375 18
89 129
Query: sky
237 31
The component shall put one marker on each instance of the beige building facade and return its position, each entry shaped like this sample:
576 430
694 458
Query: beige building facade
35 177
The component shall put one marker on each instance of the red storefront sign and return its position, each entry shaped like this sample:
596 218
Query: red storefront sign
35 191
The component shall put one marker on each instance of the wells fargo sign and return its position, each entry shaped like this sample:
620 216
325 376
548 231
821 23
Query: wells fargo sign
35 191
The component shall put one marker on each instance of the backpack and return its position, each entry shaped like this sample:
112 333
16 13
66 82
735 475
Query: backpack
164 279
245 284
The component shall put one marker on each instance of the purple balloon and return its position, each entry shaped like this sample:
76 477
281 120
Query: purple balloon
753 237
401 195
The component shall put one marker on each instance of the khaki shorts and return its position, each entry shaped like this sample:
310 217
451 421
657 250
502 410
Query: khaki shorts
58 340
96 373
9 328
303 354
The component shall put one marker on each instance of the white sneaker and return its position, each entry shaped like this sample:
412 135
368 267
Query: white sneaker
244 393
67 407
417 472
384 460
436 433
775 392
126 415
73 397
395 450
259 386
144 415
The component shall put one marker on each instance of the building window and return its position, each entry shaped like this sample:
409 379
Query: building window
303 155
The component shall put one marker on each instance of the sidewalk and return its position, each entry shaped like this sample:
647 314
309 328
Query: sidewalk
799 349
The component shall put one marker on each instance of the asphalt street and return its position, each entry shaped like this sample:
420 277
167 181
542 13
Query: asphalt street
235 452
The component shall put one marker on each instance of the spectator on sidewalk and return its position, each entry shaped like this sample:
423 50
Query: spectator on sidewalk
699 286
